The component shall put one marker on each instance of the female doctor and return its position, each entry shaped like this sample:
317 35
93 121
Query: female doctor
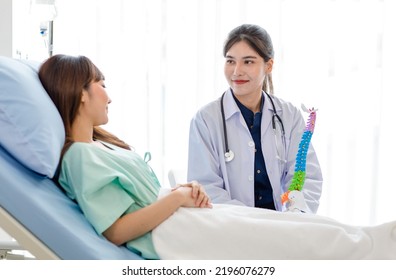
243 146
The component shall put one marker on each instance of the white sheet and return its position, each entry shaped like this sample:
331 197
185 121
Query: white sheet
237 232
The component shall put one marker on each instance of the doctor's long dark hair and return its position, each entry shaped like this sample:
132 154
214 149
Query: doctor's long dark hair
64 78
258 39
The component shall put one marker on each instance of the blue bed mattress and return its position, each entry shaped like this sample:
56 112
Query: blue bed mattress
37 203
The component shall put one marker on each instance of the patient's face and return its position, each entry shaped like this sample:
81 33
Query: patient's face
95 103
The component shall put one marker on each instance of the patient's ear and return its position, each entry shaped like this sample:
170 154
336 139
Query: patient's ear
84 96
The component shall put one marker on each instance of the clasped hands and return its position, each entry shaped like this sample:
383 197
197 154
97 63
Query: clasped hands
195 195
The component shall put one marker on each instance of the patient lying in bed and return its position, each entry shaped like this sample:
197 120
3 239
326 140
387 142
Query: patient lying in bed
119 194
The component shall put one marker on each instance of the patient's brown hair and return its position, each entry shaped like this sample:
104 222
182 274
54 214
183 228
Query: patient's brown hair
64 78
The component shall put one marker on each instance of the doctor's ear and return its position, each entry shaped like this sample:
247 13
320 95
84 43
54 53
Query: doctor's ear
268 66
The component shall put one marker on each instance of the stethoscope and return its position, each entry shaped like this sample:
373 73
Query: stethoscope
229 154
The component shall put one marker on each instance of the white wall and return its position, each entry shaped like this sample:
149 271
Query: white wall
5 50
20 26
6 27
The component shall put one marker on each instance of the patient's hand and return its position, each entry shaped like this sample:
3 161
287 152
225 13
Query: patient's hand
195 195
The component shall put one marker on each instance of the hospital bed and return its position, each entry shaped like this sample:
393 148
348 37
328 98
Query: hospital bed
34 211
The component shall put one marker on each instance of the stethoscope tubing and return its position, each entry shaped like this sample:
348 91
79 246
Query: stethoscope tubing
229 155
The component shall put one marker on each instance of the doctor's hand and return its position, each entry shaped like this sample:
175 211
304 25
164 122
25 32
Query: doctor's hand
197 195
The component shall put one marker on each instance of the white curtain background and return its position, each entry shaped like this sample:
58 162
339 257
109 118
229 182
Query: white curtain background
163 60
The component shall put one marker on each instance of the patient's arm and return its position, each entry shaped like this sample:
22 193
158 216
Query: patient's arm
138 223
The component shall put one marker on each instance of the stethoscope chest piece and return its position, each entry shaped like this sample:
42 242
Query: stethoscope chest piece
229 156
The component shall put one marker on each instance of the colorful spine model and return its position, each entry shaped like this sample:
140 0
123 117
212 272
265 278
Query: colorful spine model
301 158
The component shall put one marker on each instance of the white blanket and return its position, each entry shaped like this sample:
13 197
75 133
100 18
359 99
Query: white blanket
238 232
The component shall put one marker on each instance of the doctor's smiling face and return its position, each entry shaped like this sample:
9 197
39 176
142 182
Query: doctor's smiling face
245 70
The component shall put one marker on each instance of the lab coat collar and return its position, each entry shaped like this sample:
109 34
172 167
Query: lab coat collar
268 112
231 108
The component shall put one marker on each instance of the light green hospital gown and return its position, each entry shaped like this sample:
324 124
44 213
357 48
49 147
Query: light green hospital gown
108 183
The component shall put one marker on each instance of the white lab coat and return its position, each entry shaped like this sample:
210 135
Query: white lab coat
229 182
